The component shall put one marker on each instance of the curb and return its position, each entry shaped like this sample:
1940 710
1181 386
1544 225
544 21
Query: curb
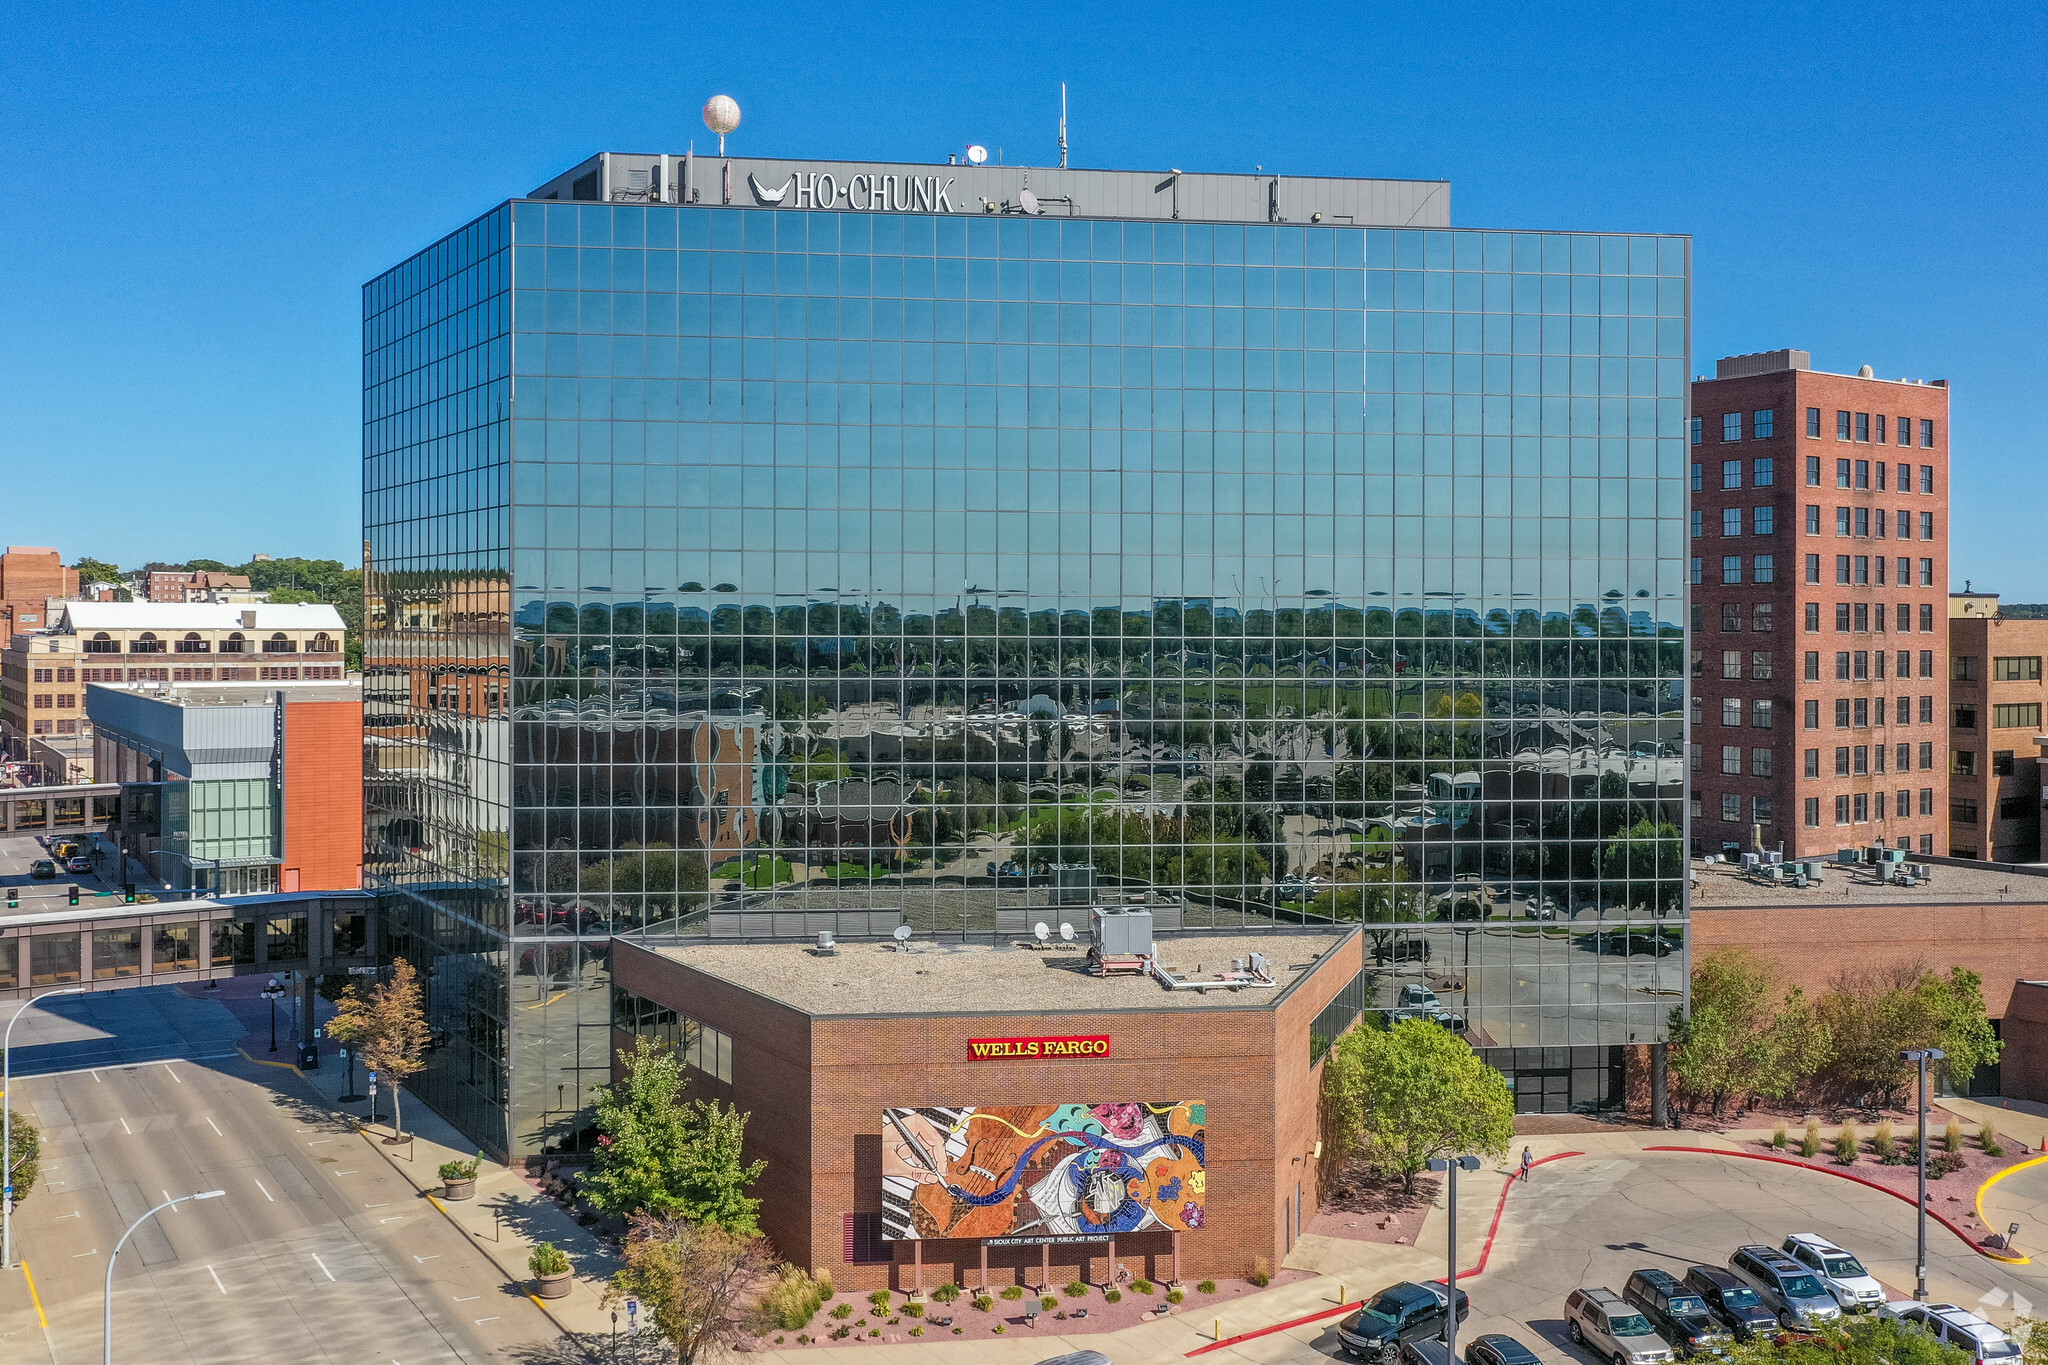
258 1061
1967 1240
1485 1253
376 1144
2016 1166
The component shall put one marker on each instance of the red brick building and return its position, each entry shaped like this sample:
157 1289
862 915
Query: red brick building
817 1047
1819 534
1995 698
29 576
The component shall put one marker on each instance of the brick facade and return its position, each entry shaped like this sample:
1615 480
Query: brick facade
1835 552
2023 1068
1995 702
322 798
816 1086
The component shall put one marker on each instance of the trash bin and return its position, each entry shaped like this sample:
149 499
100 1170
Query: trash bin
309 1056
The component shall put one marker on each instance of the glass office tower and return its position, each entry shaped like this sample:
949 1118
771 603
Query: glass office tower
753 570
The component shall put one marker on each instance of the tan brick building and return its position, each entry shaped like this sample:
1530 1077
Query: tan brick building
1995 700
816 1048
1819 565
30 575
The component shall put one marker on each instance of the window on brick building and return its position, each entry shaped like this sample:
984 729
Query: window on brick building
1813 812
1760 714
1813 618
1731 568
1760 663
1763 521
1927 443
1812 717
1812 669
1731 663
1812 763
1731 617
1731 521
1765 569
1731 426
1731 473
1927 800
1842 810
1813 425
1962 763
1761 617
1842 429
2001 762
1699 523
1695 574
1731 759
1841 713
1731 807
1694 426
1731 711
1764 423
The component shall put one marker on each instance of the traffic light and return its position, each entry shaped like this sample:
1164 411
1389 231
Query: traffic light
128 893
13 899
74 893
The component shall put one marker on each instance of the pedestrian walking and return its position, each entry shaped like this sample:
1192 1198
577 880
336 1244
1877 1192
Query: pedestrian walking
1527 1162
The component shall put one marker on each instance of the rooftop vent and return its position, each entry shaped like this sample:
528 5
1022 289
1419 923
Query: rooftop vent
826 947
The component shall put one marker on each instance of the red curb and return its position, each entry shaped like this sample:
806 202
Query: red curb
1967 1240
1319 1315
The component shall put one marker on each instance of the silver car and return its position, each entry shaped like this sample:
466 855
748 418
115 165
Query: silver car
1842 1274
1787 1288
1613 1328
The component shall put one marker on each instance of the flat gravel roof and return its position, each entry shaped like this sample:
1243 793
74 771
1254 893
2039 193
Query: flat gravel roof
1722 884
965 978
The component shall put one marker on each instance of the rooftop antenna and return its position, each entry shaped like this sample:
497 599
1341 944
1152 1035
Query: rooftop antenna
902 937
1040 932
1063 125
1066 931
721 116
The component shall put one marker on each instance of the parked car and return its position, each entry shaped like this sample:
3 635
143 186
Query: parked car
1403 949
42 869
1495 1348
1611 1328
1679 1315
1729 1298
1426 1351
1787 1288
78 864
1958 1327
1417 997
1400 1312
1840 1273
1420 1002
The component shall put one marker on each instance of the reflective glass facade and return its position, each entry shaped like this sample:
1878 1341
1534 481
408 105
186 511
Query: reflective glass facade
738 570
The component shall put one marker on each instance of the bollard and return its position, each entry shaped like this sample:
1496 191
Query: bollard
1340 1293
1217 1335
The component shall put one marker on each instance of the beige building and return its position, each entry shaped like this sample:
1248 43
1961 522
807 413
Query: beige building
1995 725
43 673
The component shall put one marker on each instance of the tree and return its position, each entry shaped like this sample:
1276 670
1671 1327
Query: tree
388 1029
663 1155
1742 1037
1647 851
97 571
1415 1091
691 1278
25 1157
1881 1011
1850 1341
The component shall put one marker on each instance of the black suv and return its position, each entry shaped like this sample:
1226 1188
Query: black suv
1679 1314
1732 1301
1399 1313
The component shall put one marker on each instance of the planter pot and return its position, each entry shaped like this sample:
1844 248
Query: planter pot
553 1286
459 1189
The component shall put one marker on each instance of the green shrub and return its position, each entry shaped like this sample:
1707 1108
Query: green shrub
1987 1138
1206 1287
999 1329
1952 1136
946 1293
793 1298
1048 1303
841 1333
984 1302
1261 1279
958 1330
1014 1291
1809 1143
1141 1286
1945 1163
917 1331
842 1311
548 1259
1847 1145
913 1310
1778 1138
880 1298
1077 1289
1883 1142
1175 1296
462 1170
1113 1295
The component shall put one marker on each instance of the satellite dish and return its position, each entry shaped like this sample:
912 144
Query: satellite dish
902 934
976 154
1066 932
1040 932
1028 201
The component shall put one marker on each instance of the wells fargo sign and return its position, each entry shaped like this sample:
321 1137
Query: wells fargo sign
1035 1049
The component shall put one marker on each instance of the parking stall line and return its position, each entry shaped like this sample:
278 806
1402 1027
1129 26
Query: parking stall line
216 1279
266 1193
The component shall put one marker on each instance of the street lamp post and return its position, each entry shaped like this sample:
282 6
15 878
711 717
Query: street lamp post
1451 1166
1922 1056
7 1123
273 993
107 1327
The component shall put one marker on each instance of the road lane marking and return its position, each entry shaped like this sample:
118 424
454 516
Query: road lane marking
471 1299
125 1128
167 1200
75 1213
216 1280
266 1193
83 1254
38 1298
318 1141
481 1321
172 1074
392 1219
424 1259
216 1127
322 1264
96 1079
385 1205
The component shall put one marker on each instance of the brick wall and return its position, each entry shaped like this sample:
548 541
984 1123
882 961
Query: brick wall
323 795
816 1088
2023 1067
2006 944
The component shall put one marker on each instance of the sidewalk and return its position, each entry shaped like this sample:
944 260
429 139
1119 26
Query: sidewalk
505 1220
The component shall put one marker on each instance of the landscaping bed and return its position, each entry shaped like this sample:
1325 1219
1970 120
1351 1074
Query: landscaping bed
1362 1207
1953 1178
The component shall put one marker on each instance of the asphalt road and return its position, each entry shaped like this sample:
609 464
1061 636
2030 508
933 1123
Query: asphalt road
39 895
319 1251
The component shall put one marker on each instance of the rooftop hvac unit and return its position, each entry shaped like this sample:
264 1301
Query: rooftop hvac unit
1123 933
1073 883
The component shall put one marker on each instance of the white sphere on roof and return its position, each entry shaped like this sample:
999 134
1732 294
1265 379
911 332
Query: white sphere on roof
721 114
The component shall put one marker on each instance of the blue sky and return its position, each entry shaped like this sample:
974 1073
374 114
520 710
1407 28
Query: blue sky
198 192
